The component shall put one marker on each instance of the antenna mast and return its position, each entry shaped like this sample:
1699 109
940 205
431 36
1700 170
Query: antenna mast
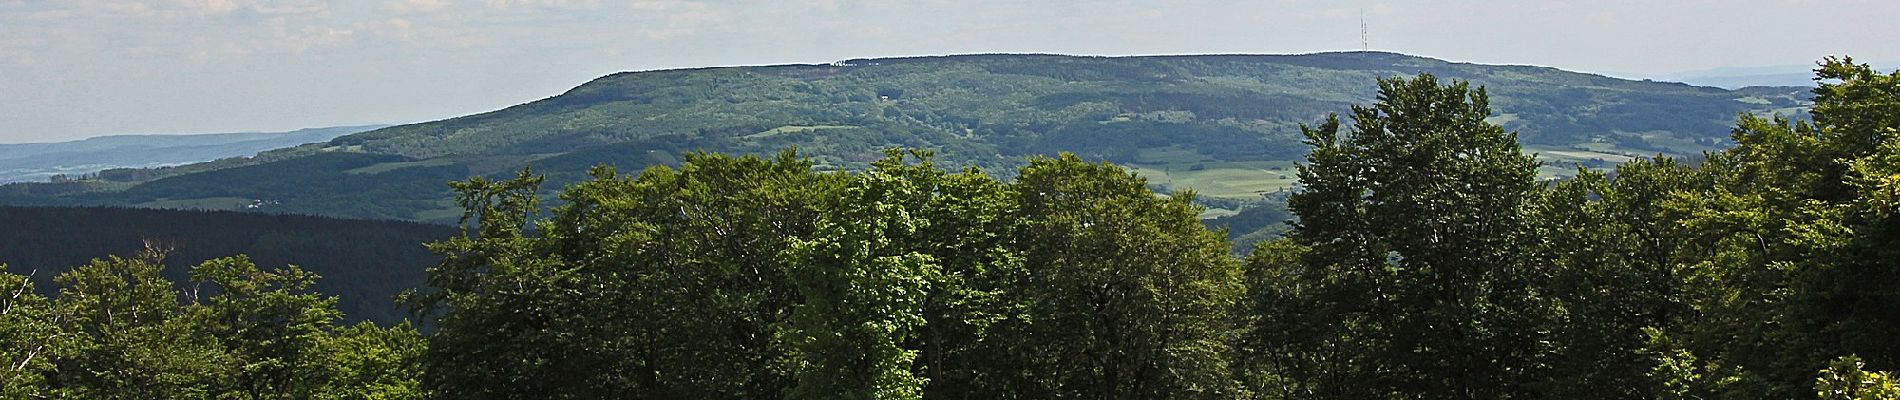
1364 45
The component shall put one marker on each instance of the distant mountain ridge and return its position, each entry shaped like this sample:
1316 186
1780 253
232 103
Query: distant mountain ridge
1278 88
1804 79
1801 75
1226 126
39 161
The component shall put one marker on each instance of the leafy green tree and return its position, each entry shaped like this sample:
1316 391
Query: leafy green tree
936 328
668 285
1273 355
131 339
970 235
493 294
1794 241
684 253
864 284
119 330
271 326
367 362
1611 250
1418 230
1127 295
30 338
1844 379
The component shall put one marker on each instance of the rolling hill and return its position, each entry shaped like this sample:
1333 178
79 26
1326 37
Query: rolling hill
1225 125
40 161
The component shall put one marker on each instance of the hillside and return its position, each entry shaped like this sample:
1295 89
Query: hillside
1225 125
363 263
40 161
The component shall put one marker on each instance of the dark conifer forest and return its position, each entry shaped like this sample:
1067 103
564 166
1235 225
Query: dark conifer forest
1423 258
364 263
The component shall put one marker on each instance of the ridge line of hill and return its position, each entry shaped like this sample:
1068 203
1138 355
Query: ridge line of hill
1226 125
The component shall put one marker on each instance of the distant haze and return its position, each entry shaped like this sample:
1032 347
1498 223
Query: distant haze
71 69
39 161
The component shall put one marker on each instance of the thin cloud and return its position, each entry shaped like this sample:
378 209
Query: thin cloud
415 6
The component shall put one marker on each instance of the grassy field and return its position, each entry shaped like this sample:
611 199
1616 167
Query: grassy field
1563 161
392 166
208 203
1176 169
438 216
794 129
1212 213
1225 181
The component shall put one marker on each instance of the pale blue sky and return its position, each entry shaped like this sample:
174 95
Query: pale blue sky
71 69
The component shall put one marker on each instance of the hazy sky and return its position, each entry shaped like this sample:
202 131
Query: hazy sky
77 68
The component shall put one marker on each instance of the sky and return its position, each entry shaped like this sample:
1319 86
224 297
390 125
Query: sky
78 68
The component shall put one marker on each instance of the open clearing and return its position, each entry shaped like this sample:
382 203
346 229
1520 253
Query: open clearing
207 203
392 166
1179 168
794 129
1586 155
1176 168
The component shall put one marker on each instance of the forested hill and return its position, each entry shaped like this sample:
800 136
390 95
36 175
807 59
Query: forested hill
1225 125
364 263
1013 103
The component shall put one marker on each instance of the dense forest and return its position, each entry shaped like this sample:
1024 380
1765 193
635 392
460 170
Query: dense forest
364 263
1427 259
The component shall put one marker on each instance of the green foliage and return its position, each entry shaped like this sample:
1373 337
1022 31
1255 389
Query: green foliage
269 324
1129 295
864 286
1610 250
119 330
368 362
667 285
1272 329
1844 379
1425 264
30 337
1416 229
738 277
132 342
1789 247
